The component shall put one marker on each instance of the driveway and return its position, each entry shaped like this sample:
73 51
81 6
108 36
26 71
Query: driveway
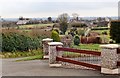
40 68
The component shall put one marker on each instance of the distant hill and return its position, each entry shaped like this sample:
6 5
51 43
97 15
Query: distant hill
54 18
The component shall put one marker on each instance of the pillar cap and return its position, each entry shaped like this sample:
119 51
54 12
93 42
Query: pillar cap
47 39
112 46
55 43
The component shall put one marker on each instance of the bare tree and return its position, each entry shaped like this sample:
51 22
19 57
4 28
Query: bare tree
63 21
75 16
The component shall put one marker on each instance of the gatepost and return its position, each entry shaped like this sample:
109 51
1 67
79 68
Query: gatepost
53 53
109 58
45 47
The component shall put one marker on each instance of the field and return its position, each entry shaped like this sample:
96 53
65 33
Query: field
35 25
88 47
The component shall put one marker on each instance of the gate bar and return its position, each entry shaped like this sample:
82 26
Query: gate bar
79 51
118 63
78 63
118 51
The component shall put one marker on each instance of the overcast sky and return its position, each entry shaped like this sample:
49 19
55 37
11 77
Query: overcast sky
53 8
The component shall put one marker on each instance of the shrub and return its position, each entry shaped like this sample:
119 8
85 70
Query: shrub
55 36
56 30
115 31
17 42
80 32
76 40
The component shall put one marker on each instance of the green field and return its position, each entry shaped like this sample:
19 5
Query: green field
88 47
91 47
36 25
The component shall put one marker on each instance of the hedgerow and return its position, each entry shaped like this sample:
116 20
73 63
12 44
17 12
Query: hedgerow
17 42
115 31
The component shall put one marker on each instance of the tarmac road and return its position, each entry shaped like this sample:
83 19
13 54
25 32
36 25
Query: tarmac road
41 68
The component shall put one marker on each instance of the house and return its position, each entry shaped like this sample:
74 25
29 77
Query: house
23 22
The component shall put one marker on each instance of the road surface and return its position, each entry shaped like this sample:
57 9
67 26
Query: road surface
41 68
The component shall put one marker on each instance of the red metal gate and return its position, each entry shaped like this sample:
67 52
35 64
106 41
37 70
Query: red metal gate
118 51
83 60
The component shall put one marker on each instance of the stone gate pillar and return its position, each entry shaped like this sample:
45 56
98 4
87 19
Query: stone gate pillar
109 58
53 53
45 47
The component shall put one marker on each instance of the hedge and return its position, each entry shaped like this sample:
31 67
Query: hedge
115 31
16 42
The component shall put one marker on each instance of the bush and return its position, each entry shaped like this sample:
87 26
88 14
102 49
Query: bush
56 30
76 40
115 31
55 36
80 32
16 42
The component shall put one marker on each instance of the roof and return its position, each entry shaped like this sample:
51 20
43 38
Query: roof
22 22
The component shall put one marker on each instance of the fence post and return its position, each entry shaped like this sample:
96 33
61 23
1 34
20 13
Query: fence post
45 47
109 58
53 53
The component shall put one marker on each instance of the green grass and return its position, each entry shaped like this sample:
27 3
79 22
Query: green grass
31 58
91 47
100 31
21 54
36 25
88 47
71 54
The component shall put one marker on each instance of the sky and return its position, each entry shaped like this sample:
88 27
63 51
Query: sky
53 8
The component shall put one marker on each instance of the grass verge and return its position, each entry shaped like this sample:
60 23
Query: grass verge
30 58
21 54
